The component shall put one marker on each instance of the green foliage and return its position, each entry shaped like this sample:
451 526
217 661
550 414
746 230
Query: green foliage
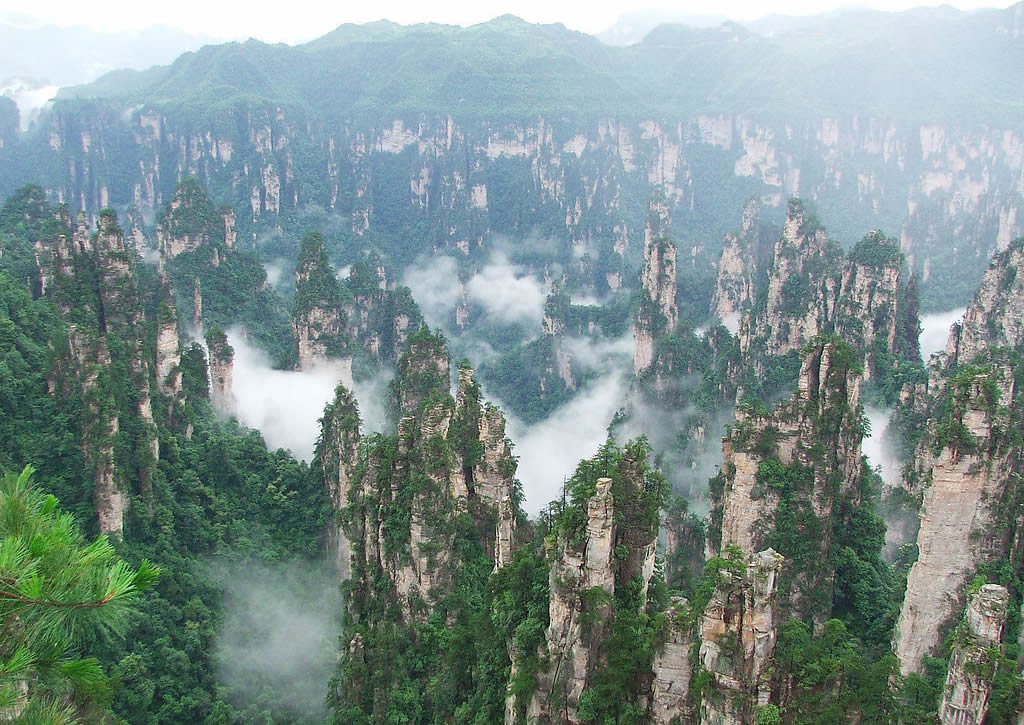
876 250
56 591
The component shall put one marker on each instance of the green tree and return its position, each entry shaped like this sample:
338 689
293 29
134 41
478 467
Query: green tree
56 589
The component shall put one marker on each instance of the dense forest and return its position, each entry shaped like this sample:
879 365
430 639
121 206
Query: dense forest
595 440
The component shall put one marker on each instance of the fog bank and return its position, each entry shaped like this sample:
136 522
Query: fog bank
935 330
278 642
285 406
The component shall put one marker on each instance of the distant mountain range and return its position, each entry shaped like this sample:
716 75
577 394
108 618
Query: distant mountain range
924 64
63 56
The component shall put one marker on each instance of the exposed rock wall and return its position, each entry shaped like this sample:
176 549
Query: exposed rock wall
168 352
317 319
968 681
589 567
338 453
938 185
816 436
221 357
737 634
803 287
450 458
573 647
964 478
672 667
658 312
739 273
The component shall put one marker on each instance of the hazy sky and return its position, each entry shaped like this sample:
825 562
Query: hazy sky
299 20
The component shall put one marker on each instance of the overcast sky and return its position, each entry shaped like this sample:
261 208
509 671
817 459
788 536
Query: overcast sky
300 20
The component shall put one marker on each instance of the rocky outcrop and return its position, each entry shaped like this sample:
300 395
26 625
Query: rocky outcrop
969 677
93 281
338 454
582 584
168 352
737 634
422 369
657 312
803 286
449 458
89 359
596 554
995 317
189 223
739 270
964 471
869 309
317 320
221 357
672 667
807 450
590 179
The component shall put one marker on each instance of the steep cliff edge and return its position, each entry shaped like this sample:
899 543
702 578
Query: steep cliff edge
737 639
657 311
602 558
968 682
93 280
426 514
317 319
790 474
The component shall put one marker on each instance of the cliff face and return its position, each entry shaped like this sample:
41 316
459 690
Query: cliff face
658 312
449 458
317 320
221 359
168 352
740 270
966 695
964 470
805 454
802 287
965 464
995 317
938 185
338 454
737 633
604 547
672 667
92 278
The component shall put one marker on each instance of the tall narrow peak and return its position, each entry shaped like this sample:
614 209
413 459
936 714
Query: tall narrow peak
657 312
965 698
788 473
737 636
189 223
739 269
338 454
221 360
317 319
602 558
426 511
803 285
967 459
965 463
168 351
995 317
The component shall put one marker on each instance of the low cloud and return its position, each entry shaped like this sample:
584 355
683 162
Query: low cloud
508 293
286 405
278 642
434 283
935 330
276 272
877 446
549 450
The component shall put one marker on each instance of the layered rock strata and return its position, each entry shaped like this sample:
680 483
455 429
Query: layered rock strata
969 684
